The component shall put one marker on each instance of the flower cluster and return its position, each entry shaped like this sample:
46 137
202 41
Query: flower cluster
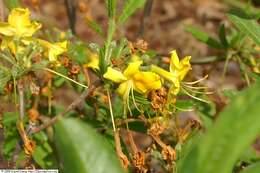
145 81
18 34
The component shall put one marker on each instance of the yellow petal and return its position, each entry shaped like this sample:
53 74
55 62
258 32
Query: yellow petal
165 74
175 62
146 81
132 68
124 89
31 29
57 49
94 62
7 43
175 88
6 29
135 58
185 67
114 75
19 19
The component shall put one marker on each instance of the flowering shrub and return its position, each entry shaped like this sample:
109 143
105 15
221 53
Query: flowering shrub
123 94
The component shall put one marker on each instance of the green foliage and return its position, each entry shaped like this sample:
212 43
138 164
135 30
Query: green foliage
10 4
203 37
78 52
254 168
222 36
83 150
43 153
11 135
95 27
5 76
246 25
129 8
111 6
236 128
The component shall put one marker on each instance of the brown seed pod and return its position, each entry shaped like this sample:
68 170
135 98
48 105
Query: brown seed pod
75 69
33 114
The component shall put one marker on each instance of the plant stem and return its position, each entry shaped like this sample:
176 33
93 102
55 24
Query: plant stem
20 125
111 111
85 95
146 14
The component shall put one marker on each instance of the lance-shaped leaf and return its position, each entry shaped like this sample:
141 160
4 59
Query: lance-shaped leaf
83 150
222 145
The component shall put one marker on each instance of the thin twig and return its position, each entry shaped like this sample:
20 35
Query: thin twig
21 100
123 158
85 95
146 14
71 12
20 125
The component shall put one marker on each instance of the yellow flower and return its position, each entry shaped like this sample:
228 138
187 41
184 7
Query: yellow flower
94 62
54 49
133 78
8 43
19 24
178 70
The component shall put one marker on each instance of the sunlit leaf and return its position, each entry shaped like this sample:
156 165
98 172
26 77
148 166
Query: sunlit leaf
235 129
203 37
246 25
83 150
129 8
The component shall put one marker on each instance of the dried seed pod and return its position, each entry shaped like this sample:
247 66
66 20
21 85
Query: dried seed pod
139 161
33 114
35 90
75 69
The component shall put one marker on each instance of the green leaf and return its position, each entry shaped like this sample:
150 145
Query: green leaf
43 154
184 105
129 8
83 150
111 6
119 50
102 63
110 34
203 37
235 129
222 35
95 27
254 168
78 51
5 76
247 26
11 134
10 4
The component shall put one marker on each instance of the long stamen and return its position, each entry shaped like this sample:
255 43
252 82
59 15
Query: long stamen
192 96
198 92
111 111
195 87
126 96
133 98
186 110
197 81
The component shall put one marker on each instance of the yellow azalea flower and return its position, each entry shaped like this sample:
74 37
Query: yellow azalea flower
54 49
133 78
94 61
8 43
178 70
19 24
